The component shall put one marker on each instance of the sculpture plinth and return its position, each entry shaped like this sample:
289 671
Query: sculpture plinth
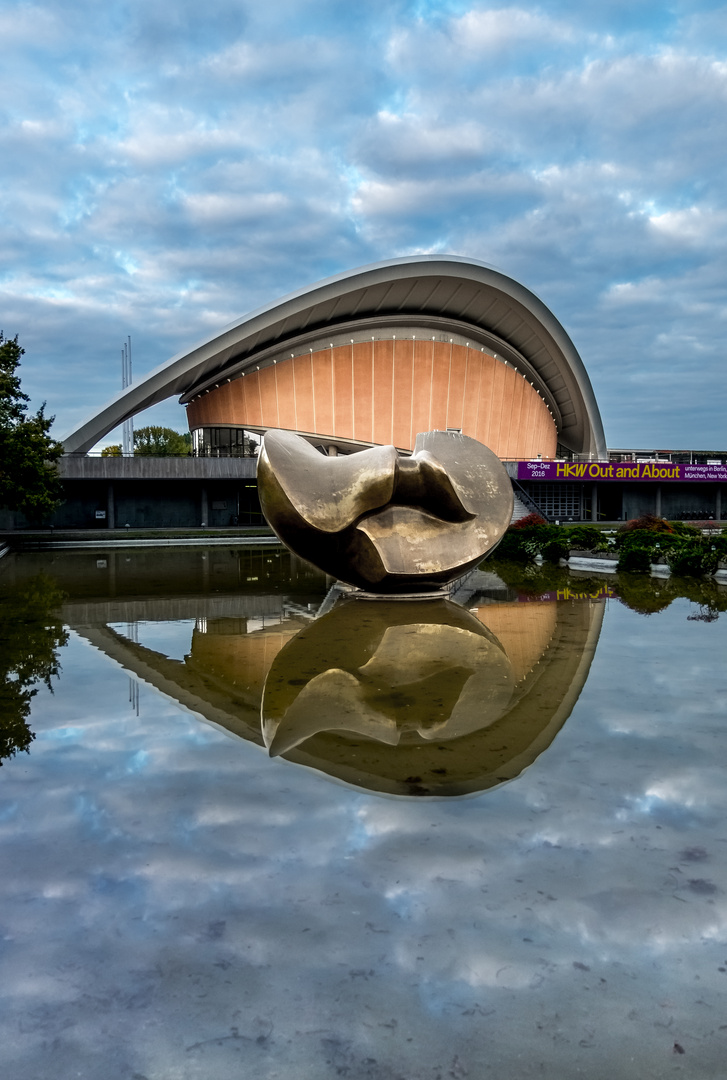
383 522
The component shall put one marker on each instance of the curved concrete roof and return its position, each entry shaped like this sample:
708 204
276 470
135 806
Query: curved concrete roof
436 291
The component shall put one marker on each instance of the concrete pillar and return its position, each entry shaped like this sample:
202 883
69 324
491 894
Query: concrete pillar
658 500
204 506
110 508
594 502
332 451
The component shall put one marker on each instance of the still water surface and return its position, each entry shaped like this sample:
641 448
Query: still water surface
507 860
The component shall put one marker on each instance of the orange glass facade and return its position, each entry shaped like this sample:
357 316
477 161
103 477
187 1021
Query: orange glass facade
386 391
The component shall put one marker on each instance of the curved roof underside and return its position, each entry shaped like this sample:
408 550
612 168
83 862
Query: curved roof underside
436 291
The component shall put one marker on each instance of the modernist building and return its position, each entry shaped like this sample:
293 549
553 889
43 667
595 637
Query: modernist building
374 356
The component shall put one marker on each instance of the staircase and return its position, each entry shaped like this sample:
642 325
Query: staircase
520 510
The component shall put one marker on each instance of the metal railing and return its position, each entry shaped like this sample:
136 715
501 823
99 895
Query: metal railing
528 500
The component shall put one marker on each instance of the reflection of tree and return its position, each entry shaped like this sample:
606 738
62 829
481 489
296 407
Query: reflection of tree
532 579
30 634
707 594
705 614
643 594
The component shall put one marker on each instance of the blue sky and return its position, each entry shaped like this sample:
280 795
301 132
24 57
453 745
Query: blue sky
168 167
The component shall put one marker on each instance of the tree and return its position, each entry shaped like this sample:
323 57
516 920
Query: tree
31 632
161 442
112 451
29 479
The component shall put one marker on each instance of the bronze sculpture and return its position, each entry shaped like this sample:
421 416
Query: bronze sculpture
383 522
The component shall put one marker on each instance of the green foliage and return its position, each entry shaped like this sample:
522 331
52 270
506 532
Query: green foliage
694 558
657 543
684 548
555 549
511 547
535 579
650 595
636 558
112 451
687 551
29 479
161 442
30 634
523 543
586 538
719 543
645 595
681 528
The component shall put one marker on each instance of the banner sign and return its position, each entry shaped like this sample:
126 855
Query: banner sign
618 470
599 592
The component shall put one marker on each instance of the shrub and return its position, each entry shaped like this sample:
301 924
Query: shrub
657 543
585 538
719 543
693 559
555 549
512 546
636 558
647 523
525 542
529 521
682 529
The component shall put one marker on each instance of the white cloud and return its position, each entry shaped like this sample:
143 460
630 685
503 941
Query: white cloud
230 208
490 30
695 226
29 25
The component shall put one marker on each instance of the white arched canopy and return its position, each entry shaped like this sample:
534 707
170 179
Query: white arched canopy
437 291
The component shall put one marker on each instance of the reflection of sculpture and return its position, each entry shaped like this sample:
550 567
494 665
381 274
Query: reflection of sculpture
383 522
390 671
440 738
430 732
421 698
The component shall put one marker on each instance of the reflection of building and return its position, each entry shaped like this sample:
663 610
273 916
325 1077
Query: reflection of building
547 646
375 356
525 637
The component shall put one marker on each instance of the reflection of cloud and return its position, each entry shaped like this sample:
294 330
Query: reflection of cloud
216 892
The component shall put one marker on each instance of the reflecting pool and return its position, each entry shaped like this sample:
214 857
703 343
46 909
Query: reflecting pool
265 830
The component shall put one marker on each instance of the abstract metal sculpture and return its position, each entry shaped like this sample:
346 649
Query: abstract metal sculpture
383 522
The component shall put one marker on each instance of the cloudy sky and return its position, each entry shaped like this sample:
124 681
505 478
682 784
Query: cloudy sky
167 167
173 903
